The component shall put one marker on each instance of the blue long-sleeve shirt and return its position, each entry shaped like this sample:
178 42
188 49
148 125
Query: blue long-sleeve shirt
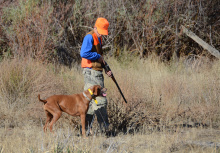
86 48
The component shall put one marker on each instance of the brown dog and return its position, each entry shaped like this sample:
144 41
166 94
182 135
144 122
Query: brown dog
75 105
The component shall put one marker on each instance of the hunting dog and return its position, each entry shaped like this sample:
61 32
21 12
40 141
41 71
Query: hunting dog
75 105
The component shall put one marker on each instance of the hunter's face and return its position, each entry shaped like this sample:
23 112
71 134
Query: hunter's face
96 32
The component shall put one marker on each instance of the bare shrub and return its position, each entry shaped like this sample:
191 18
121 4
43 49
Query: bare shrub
54 30
27 26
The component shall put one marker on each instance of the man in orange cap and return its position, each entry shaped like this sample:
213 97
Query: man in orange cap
92 60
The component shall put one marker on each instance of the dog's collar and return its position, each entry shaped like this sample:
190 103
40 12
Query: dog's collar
86 97
93 96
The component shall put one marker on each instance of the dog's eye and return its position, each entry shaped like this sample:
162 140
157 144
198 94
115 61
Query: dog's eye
99 90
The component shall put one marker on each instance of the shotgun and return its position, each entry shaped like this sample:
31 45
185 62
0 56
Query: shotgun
107 68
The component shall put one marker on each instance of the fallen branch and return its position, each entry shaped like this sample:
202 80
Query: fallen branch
206 46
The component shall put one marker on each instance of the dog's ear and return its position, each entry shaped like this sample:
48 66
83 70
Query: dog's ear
97 90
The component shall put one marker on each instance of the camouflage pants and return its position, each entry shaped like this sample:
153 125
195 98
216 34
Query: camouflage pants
93 77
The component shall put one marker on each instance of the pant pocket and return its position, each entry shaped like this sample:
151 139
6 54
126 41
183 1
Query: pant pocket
86 72
98 76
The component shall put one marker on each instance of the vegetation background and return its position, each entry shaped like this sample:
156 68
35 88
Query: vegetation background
171 83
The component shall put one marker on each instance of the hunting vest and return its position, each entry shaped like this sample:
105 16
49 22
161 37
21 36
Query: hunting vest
95 65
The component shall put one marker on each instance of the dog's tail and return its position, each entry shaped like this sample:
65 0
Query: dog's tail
44 101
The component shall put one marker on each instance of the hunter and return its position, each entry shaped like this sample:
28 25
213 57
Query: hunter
92 61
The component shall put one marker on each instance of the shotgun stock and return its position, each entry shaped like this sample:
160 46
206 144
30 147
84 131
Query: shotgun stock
107 68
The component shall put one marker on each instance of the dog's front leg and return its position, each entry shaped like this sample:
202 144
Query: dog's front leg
83 122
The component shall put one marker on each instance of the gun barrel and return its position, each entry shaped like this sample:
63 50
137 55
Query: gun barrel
107 68
113 78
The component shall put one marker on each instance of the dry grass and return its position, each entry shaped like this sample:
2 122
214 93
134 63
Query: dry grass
32 139
171 107
22 81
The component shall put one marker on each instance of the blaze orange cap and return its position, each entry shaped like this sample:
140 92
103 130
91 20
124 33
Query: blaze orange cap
102 26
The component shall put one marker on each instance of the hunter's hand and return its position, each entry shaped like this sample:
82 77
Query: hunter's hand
109 73
101 59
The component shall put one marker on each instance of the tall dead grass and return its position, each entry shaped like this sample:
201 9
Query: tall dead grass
161 97
21 82
168 95
158 94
